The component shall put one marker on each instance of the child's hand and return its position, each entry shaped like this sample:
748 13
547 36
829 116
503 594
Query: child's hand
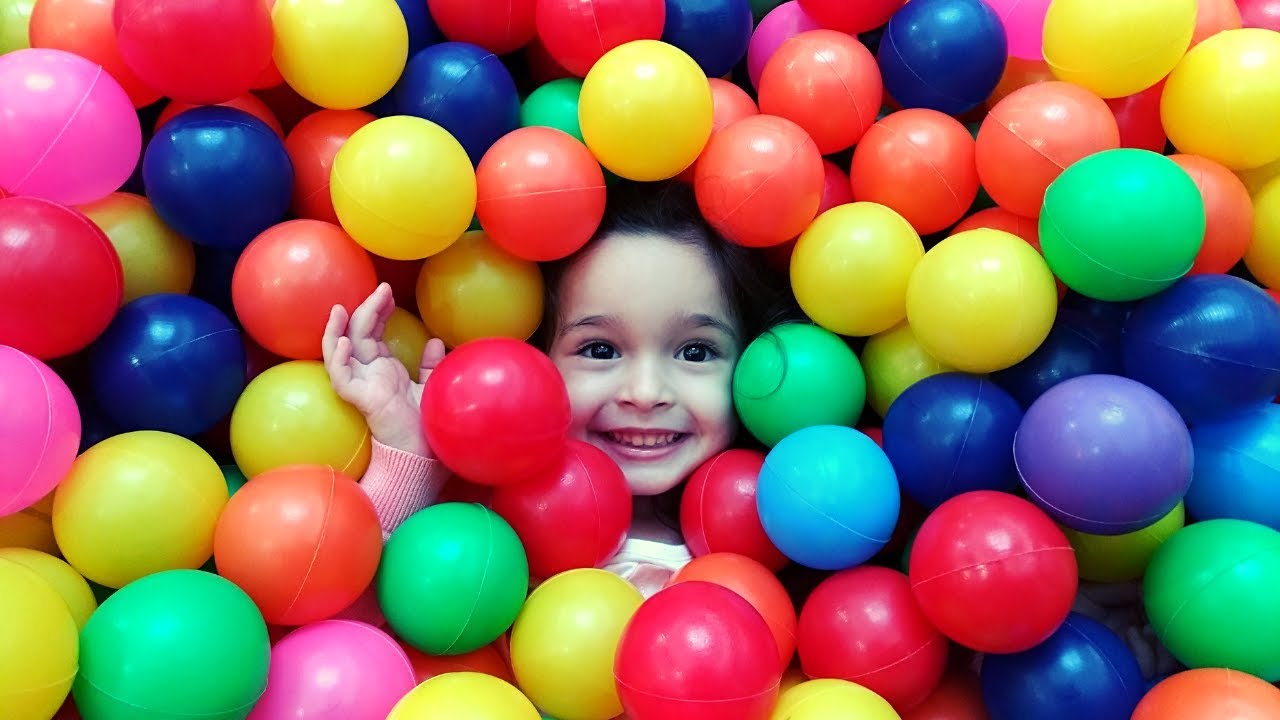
365 373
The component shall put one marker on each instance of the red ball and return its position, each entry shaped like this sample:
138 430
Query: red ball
402 276
993 572
1228 211
574 514
577 33
851 17
542 67
697 651
835 191
86 28
496 411
288 279
863 625
997 218
827 83
499 26
312 144
759 181
60 278
1263 14
303 541
729 103
196 51
959 697
921 164
1138 117
718 511
540 193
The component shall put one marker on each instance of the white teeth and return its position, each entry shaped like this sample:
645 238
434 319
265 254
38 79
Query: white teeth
645 440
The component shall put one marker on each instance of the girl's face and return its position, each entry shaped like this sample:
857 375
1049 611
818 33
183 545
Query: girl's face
646 343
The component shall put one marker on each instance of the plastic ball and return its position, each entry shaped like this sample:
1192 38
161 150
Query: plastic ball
487 660
15 21
827 83
997 218
340 55
1023 25
40 662
820 699
697 650
992 572
959 697
578 34
499 26
1207 593
290 415
1208 90
1213 17
406 337
41 424
403 187
247 102
1210 345
1075 346
1116 51
1193 694
760 180
1138 117
893 361
1263 256
69 584
168 362
981 301
554 105
30 528
1040 130
1237 461
785 20
564 641
718 511
1228 211
177 644
729 104
851 17
828 497
1123 558
646 110
919 163
1122 224
467 564
218 176
715 33
944 55
540 194
83 27
155 259
464 696
864 626
312 145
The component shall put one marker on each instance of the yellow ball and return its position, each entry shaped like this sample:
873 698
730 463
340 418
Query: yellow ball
61 577
290 415
1221 101
1117 48
406 337
15 21
564 641
830 699
40 650
136 504
155 258
1263 256
30 528
645 110
1121 558
476 289
340 54
1257 178
894 360
849 269
982 300
464 696
403 188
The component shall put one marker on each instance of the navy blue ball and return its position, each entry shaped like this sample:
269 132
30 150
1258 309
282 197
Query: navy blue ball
217 175
422 28
168 362
1074 347
950 434
945 55
463 88
715 33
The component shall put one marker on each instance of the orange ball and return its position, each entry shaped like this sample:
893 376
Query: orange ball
1210 693
1228 210
86 28
312 145
1019 73
288 279
757 585
959 697
729 103
919 163
247 102
487 660
303 541
1213 17
997 218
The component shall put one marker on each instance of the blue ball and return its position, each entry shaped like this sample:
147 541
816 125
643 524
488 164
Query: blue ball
945 55
219 176
828 497
1237 468
715 33
464 89
950 434
1210 344
1082 672
1074 347
418 21
168 362
212 281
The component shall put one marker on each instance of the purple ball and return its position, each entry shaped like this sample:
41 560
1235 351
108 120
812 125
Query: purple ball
1104 454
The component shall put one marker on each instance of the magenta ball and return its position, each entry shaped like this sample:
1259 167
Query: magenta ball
1104 454
781 23
39 430
69 132
335 670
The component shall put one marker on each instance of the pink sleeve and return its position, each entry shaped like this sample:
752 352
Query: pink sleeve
400 484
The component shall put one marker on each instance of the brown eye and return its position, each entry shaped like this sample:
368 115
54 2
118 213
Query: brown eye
599 351
697 352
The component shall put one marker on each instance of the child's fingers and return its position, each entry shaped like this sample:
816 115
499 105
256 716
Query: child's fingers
332 331
338 363
364 322
432 354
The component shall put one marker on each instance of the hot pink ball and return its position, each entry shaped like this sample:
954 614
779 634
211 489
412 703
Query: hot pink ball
1023 22
783 22
335 670
69 132
40 427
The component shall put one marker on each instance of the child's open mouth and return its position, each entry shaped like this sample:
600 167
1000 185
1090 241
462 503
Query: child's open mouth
638 444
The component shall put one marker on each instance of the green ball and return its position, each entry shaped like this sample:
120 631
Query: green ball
453 578
1210 593
796 376
176 644
235 479
554 105
1122 224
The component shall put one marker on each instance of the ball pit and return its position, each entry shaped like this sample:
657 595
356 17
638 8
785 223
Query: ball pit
37 671
944 55
340 55
41 421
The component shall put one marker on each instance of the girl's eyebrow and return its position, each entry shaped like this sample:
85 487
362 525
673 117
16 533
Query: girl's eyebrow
702 320
688 320
598 321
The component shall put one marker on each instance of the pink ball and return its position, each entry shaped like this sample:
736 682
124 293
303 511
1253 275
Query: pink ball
781 23
1024 25
69 131
335 670
40 424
